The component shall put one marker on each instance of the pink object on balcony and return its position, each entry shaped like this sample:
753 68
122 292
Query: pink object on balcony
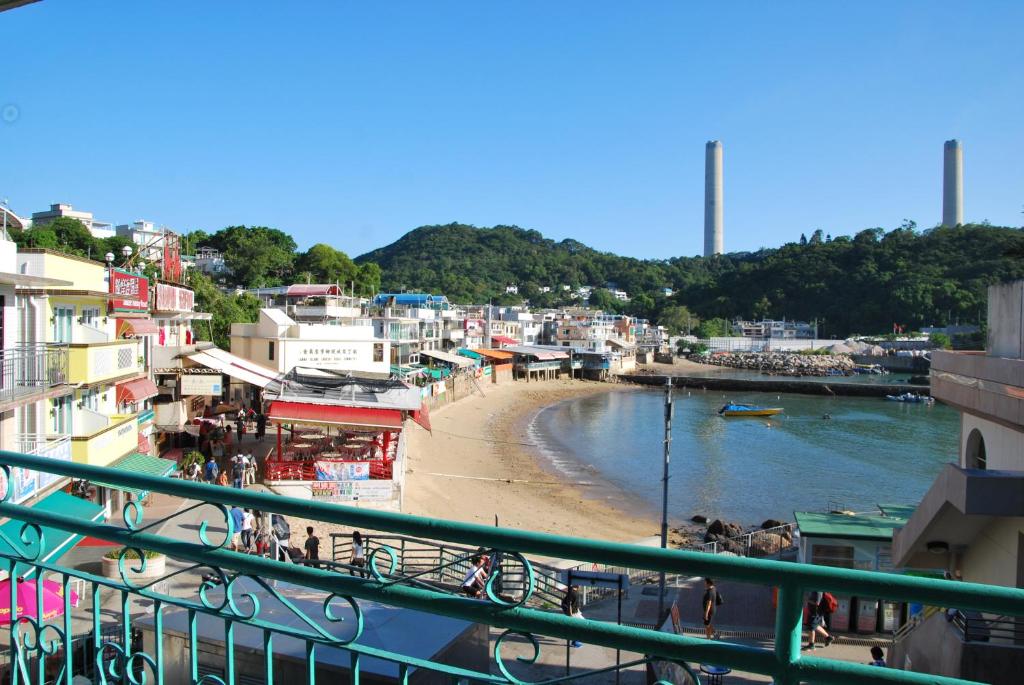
53 599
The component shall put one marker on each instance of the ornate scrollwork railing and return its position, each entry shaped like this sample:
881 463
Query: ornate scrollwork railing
259 613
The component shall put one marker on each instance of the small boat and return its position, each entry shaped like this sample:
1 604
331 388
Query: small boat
910 397
748 410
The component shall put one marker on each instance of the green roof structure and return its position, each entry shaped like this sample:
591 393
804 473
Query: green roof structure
140 463
851 526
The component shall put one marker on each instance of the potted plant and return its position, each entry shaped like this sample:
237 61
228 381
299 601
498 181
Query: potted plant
155 564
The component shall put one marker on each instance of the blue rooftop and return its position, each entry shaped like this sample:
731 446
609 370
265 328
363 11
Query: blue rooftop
411 299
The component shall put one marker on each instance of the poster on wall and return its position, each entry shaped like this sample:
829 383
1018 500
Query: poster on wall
23 484
171 298
201 384
353 491
342 470
132 291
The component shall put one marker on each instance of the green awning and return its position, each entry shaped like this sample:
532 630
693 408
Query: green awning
469 353
55 541
139 463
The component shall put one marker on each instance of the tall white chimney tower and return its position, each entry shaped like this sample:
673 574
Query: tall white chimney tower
953 183
714 226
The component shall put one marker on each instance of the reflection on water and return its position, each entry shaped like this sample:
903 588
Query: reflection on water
749 469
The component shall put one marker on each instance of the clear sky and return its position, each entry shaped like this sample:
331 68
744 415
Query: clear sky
352 123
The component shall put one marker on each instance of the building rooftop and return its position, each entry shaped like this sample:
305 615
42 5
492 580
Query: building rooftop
321 386
854 526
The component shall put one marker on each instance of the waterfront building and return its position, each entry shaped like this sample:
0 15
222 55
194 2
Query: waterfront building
98 229
772 329
313 303
970 523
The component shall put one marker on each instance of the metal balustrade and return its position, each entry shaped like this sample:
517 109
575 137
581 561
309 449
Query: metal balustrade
26 370
256 599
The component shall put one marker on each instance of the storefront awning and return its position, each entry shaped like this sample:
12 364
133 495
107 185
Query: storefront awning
236 367
503 340
328 415
448 358
136 327
467 353
497 355
56 542
139 463
136 390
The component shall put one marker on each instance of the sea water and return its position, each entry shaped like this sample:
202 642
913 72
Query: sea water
871 451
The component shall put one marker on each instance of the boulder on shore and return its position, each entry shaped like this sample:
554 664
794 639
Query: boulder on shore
697 518
771 523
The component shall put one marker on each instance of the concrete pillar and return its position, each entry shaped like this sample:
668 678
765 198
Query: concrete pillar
714 226
953 183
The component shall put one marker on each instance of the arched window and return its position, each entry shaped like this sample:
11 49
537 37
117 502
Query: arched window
975 452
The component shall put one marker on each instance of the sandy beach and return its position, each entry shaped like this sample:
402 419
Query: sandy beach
478 464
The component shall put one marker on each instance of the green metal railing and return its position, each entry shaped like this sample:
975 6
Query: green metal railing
235 589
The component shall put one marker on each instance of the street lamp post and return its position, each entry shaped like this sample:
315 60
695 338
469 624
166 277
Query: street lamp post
664 492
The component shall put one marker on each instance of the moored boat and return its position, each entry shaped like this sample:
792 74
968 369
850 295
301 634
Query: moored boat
748 410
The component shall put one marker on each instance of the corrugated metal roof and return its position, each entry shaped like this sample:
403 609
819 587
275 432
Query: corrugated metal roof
312 289
828 525
445 357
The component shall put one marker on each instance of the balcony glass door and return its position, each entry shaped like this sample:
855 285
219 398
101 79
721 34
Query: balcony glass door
62 415
63 318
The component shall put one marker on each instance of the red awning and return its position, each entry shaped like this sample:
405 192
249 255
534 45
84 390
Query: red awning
312 289
144 445
503 340
136 327
303 412
136 390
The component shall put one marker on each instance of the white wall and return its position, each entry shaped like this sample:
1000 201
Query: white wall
1004 447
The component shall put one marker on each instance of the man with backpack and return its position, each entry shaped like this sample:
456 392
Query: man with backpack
816 612
829 604
211 471
712 600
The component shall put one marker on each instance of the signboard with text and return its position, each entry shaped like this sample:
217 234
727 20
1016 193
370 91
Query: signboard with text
353 491
320 355
132 291
201 384
342 470
171 298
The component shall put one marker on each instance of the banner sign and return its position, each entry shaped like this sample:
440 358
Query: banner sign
353 491
342 470
132 291
172 258
171 298
206 384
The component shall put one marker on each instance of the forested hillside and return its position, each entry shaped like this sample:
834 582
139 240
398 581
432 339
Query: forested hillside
864 283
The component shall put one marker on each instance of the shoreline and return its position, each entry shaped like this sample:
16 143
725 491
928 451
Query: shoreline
480 463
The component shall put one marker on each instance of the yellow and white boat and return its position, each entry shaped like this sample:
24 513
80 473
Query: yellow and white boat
748 410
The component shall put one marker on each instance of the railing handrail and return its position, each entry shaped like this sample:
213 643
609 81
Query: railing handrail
785 664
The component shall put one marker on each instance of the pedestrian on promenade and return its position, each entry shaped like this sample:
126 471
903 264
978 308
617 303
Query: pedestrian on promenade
222 479
571 607
828 606
312 546
248 528
476 577
817 621
877 657
250 470
261 425
238 472
212 470
358 555
709 605
281 532
192 472
237 521
240 430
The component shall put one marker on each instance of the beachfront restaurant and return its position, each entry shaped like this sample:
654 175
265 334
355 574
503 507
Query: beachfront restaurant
860 541
538 362
340 438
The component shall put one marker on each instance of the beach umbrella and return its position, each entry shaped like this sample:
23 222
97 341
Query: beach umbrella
53 599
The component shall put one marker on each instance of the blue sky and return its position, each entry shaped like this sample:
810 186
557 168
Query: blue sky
352 123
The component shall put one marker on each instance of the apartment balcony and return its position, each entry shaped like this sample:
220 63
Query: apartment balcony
105 362
102 440
455 334
992 387
172 356
322 311
29 373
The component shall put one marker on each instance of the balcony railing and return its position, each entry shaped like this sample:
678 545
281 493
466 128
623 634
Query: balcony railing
104 439
250 618
95 363
28 370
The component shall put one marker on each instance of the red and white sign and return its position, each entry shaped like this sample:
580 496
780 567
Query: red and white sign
132 291
171 298
172 258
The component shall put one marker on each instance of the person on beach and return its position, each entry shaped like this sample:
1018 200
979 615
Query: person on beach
358 555
709 604
476 578
817 621
877 657
571 608
312 546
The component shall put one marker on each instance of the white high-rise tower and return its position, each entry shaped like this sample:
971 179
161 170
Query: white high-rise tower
714 226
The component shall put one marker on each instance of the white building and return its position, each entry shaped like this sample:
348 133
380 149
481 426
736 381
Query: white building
278 343
511 289
768 328
99 229
620 295
148 238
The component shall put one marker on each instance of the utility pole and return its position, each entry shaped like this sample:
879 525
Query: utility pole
664 492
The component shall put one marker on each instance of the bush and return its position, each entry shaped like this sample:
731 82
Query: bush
941 341
132 554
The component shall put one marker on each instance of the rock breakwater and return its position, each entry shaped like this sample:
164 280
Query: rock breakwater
783 363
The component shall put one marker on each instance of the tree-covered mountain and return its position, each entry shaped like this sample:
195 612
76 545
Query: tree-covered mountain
864 283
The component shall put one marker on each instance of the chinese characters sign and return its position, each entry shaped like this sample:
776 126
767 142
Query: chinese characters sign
132 292
171 298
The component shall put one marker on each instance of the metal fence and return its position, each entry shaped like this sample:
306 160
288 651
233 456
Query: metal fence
757 543
27 369
249 618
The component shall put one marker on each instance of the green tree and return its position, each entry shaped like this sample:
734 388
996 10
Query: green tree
327 265
714 328
602 299
257 256
941 341
226 309
368 277
678 319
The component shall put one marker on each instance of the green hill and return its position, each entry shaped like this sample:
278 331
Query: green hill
863 283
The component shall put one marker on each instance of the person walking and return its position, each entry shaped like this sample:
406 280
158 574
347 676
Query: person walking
877 657
238 472
312 547
193 472
261 426
237 521
358 559
211 470
816 621
281 532
248 528
571 608
709 605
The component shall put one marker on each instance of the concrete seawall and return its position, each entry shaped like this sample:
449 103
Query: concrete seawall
776 384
